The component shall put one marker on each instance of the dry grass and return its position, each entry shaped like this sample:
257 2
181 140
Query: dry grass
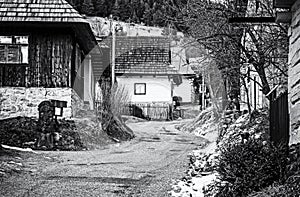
119 99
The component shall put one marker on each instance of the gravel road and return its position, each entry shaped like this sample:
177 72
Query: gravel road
144 166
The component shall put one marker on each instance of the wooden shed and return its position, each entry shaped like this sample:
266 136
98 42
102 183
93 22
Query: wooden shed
44 45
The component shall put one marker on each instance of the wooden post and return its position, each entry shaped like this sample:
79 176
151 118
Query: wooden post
113 50
254 93
203 91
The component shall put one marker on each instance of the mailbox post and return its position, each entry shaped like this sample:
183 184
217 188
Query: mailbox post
58 107
48 126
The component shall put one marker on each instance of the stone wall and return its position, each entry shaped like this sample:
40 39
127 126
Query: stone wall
20 101
294 74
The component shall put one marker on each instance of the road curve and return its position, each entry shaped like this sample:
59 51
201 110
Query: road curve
144 166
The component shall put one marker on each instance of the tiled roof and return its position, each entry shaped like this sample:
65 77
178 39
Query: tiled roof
152 68
38 11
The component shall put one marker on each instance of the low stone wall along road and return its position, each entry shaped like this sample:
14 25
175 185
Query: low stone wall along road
144 166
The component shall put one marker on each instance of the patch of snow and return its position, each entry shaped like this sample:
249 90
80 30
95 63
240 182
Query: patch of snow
18 149
193 187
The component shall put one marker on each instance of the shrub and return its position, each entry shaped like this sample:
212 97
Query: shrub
291 186
114 100
119 99
18 131
247 167
291 189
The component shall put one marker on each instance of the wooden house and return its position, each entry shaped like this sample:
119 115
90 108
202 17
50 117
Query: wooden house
44 55
292 16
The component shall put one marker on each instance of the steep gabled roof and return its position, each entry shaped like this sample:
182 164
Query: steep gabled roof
143 55
38 11
31 14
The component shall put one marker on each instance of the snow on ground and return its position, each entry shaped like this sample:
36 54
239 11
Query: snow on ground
234 125
17 148
202 161
193 187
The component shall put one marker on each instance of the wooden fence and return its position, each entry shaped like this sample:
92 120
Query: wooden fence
150 111
279 120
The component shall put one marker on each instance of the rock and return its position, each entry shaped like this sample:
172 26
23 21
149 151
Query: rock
177 189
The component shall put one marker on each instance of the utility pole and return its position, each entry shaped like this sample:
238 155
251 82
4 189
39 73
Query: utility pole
203 91
113 49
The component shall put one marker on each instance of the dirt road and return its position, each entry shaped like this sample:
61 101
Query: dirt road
144 166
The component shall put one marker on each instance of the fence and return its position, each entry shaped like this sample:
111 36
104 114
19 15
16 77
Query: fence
150 111
279 119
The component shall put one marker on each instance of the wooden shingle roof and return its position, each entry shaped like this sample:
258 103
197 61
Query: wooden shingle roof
38 11
143 55
28 15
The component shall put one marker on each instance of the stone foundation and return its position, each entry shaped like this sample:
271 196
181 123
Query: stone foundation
21 101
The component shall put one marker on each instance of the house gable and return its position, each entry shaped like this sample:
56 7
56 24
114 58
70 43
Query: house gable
19 15
143 55
39 11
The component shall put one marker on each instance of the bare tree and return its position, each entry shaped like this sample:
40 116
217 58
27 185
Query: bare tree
232 45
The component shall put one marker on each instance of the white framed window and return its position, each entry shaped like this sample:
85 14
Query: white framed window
140 89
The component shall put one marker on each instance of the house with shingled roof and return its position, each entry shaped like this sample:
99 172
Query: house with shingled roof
44 55
149 63
143 68
143 65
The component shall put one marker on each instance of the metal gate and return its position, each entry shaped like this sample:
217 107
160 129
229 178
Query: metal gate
279 120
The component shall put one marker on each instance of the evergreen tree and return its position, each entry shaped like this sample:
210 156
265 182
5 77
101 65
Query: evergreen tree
150 12
87 8
147 15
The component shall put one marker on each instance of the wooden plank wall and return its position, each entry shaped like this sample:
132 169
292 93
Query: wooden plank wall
100 62
294 79
49 60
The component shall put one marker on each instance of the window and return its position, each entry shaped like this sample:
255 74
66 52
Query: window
13 60
13 49
139 89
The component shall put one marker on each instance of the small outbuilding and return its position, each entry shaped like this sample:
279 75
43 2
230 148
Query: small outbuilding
44 55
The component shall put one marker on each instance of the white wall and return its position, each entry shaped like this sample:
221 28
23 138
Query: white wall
184 90
158 89
88 81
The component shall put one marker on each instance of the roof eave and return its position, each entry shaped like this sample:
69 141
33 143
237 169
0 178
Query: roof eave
283 17
145 73
285 4
82 30
85 36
